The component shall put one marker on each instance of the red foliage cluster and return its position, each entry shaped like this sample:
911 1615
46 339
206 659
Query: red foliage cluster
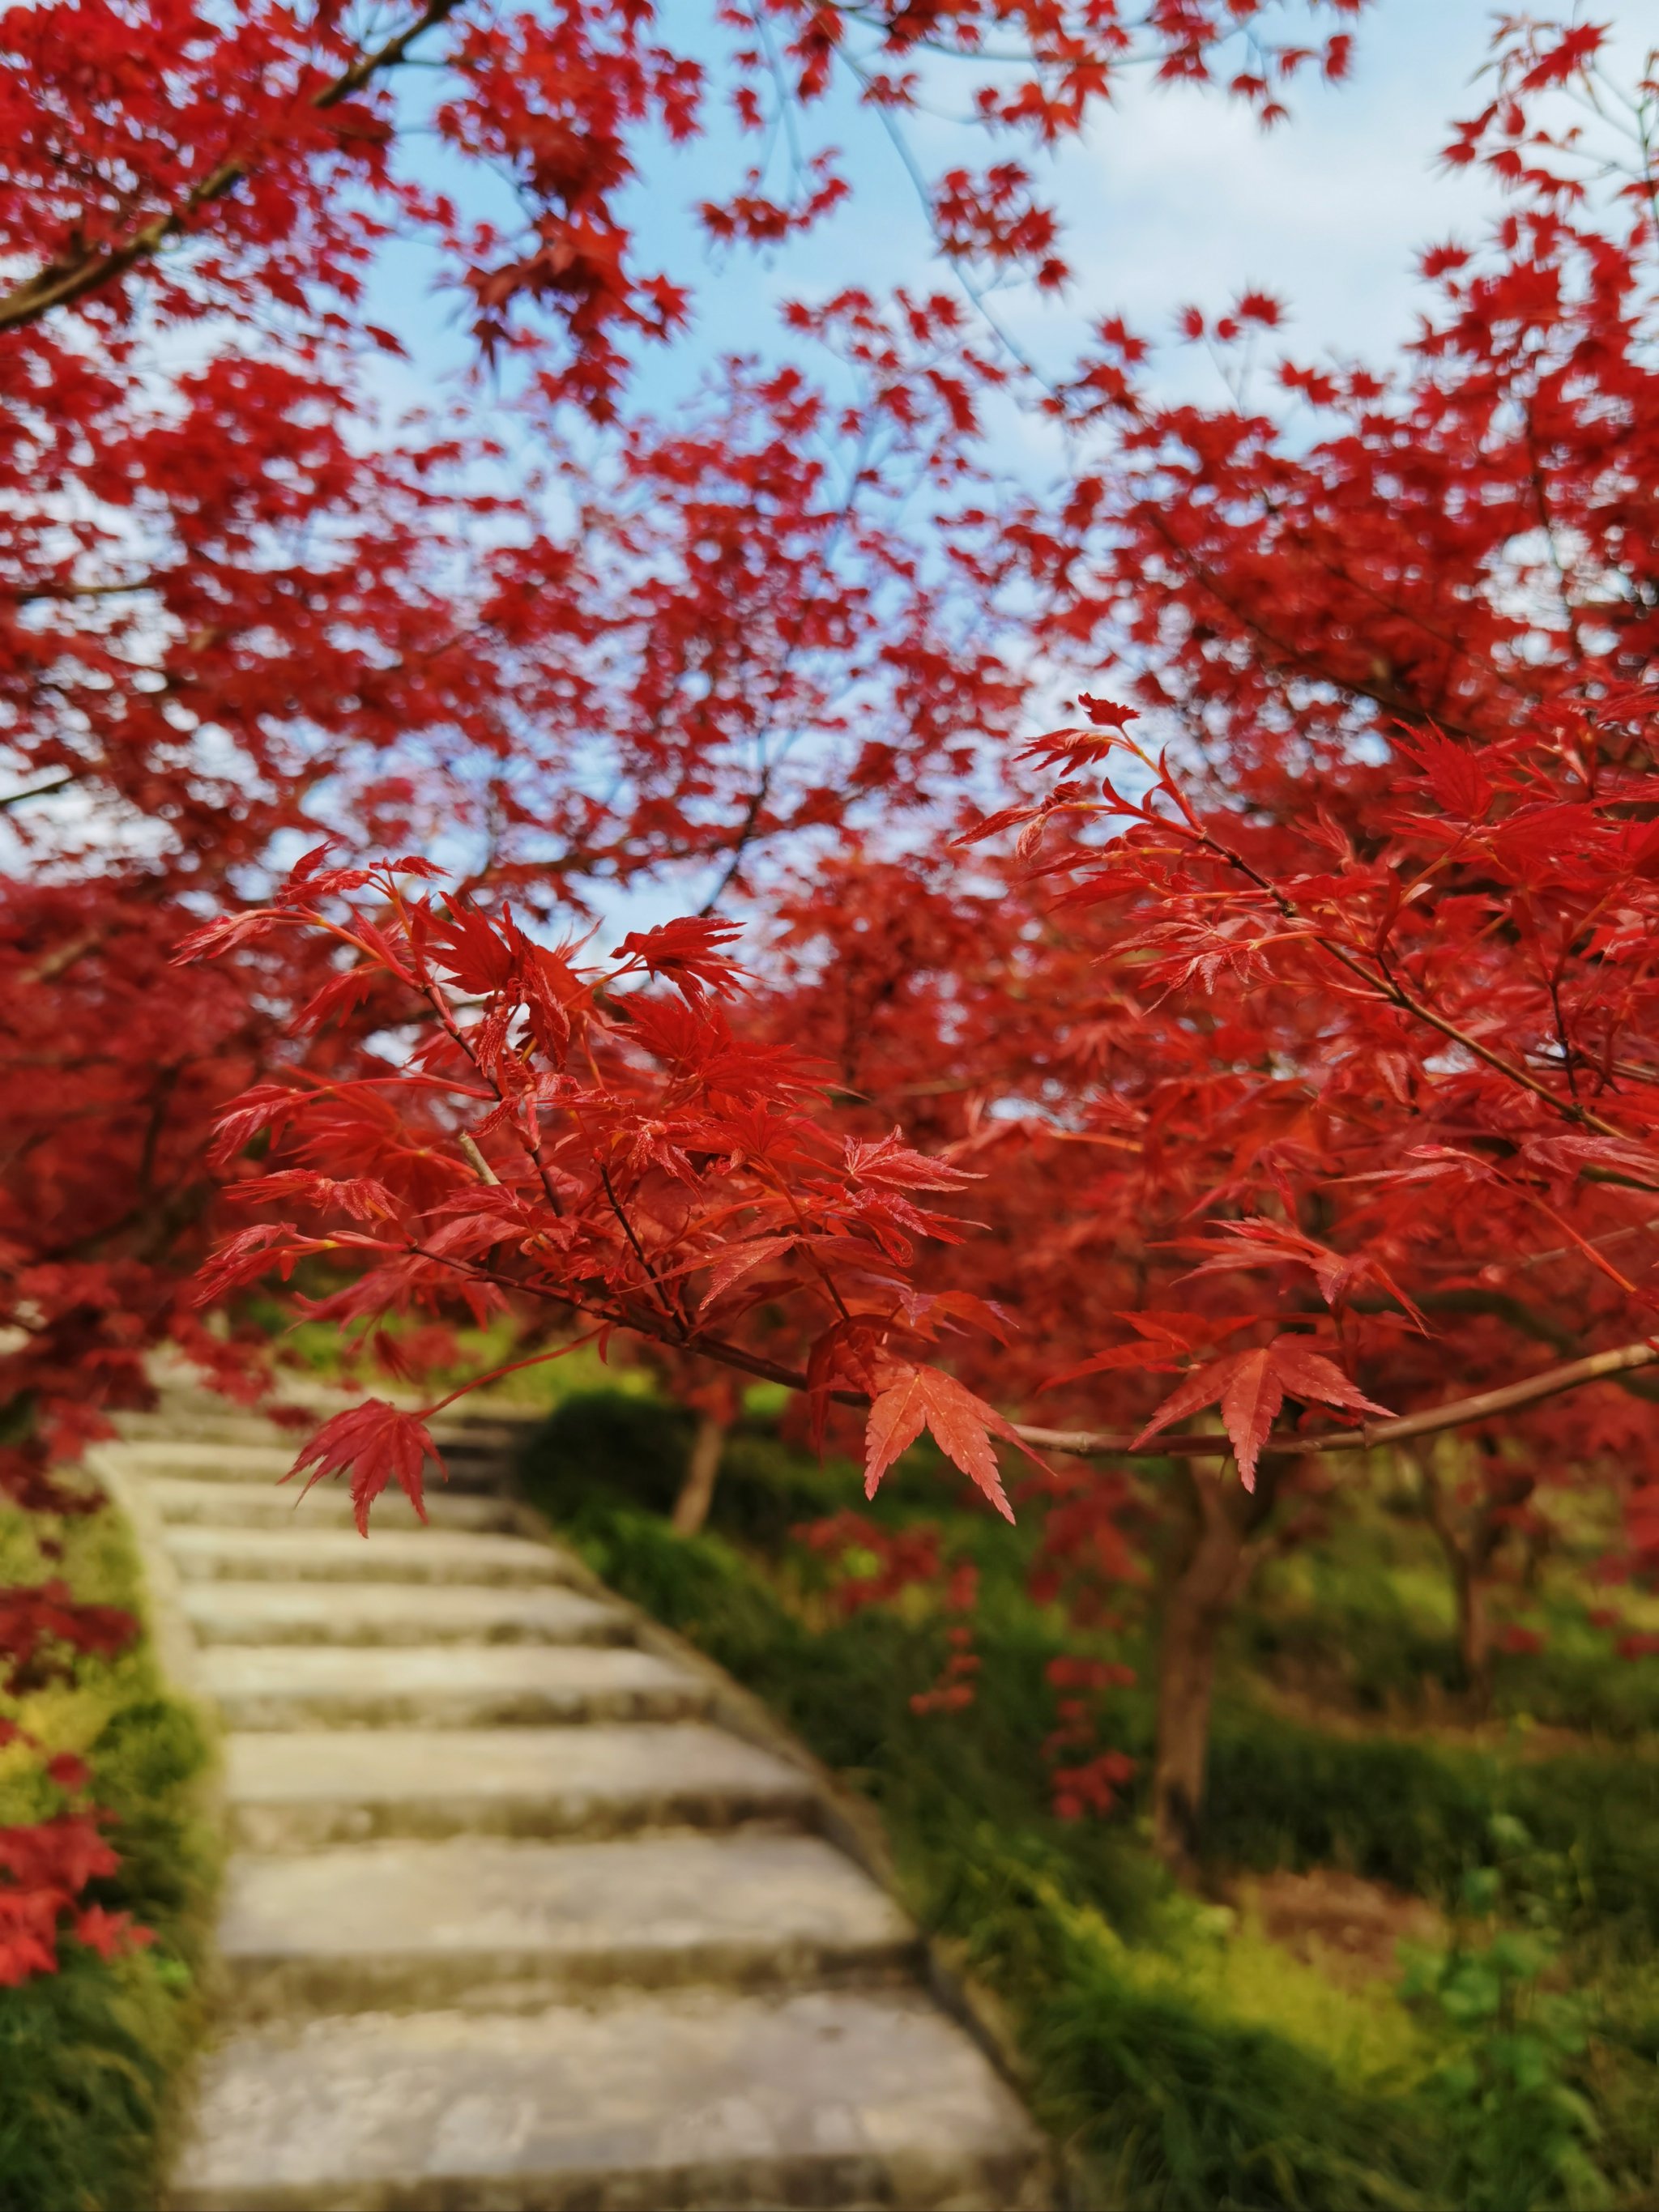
46 1867
1090 1784
40 1623
1278 1040
241 603
904 1560
570 1134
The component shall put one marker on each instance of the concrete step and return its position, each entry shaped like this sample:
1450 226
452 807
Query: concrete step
212 1422
245 1458
248 1505
446 1686
681 2099
483 1923
254 1460
396 1613
404 1555
302 1788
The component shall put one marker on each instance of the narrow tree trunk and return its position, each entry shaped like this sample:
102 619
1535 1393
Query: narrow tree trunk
1192 1620
1474 1633
1197 1599
1465 1558
704 1465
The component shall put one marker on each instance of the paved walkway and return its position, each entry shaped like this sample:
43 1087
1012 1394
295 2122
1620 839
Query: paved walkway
511 1920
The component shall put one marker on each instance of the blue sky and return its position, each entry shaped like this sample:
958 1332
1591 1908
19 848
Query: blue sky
1177 196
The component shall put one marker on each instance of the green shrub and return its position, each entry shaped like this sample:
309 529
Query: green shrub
603 1449
1165 2104
1363 1622
91 2057
1395 1810
1521 2132
1419 1815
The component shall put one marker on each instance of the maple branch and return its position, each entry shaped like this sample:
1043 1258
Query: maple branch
59 963
1384 985
1090 1444
529 1140
511 1367
29 594
657 1290
59 284
485 1173
37 791
1598 1367
615 1317
956 260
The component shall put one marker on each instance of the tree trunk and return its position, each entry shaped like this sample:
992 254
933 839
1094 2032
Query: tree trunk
1466 1557
1474 1633
1203 1591
702 1466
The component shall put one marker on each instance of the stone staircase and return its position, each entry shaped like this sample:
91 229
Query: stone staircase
513 1918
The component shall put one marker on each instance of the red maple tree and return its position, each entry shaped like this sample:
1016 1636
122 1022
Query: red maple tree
1302 1043
1336 984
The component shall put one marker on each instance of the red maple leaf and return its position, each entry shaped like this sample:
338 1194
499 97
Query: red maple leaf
689 952
962 1424
1251 1387
372 1442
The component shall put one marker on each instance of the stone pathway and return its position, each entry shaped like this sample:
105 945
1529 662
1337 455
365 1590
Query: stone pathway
511 1920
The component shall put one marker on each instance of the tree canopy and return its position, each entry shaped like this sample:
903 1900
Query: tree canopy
1268 1045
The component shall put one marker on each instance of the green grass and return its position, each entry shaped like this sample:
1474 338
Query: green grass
1184 2060
91 2057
